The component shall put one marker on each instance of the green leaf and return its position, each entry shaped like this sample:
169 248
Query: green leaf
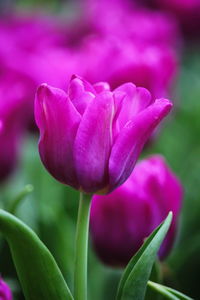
19 198
135 277
159 289
155 276
180 295
37 270
169 293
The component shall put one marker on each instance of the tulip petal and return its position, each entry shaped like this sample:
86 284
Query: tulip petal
101 87
135 101
131 140
93 143
118 103
77 85
58 121
81 93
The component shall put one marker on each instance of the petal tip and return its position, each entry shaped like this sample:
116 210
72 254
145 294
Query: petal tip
74 76
42 89
165 104
42 86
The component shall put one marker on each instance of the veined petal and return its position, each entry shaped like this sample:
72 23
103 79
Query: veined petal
93 143
128 88
81 93
58 121
135 101
118 103
79 84
131 140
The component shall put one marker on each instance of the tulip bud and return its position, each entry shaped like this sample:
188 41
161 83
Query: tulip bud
5 292
91 137
122 220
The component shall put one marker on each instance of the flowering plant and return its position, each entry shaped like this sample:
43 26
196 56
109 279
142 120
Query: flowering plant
92 130
90 138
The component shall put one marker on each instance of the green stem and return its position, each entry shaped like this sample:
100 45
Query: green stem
81 251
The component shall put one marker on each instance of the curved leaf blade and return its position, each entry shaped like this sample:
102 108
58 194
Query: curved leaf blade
160 290
19 198
156 276
178 294
37 270
134 280
168 292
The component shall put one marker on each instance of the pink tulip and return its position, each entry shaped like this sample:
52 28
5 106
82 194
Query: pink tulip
32 50
122 220
151 66
14 117
187 12
141 51
124 20
90 136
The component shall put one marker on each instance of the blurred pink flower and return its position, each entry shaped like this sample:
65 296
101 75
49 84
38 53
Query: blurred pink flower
187 6
32 48
14 118
124 20
40 53
39 49
29 32
90 137
187 12
138 45
109 59
5 292
122 220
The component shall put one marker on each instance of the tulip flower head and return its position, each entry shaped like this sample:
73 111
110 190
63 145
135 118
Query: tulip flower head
147 56
151 66
103 18
122 220
5 292
90 136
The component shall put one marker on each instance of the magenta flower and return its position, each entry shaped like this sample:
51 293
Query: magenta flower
29 32
151 66
5 292
141 51
103 18
122 220
186 6
40 54
91 137
14 118
187 12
